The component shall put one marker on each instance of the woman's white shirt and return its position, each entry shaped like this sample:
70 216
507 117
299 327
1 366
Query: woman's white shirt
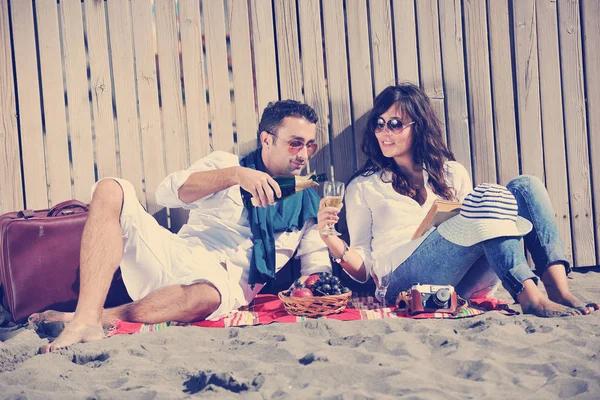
381 221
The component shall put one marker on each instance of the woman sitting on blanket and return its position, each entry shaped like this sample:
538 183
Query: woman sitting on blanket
408 167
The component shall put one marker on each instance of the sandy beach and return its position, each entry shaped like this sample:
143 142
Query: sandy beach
488 356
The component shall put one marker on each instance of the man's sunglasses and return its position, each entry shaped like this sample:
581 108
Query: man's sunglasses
295 145
395 125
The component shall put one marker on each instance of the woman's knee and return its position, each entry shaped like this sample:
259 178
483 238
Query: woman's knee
528 182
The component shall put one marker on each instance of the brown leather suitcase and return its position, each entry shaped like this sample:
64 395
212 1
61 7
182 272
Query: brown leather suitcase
39 260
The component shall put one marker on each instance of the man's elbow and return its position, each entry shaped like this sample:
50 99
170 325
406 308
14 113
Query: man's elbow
184 195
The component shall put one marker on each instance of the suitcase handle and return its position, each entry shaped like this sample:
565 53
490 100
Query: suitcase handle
62 208
26 214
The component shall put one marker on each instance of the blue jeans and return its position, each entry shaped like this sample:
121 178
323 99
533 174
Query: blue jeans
476 270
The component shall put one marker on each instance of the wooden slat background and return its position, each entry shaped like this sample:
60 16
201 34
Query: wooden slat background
288 54
218 76
100 85
361 77
552 118
55 118
591 41
151 133
574 109
243 87
505 128
479 93
11 190
28 95
125 96
428 36
454 81
78 97
141 88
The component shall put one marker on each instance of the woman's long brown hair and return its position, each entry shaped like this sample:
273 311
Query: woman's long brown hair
428 146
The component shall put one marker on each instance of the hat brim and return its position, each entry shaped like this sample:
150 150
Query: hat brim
469 231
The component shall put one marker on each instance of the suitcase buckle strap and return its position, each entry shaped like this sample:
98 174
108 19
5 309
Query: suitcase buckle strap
26 214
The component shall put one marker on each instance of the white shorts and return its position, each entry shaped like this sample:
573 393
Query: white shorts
154 257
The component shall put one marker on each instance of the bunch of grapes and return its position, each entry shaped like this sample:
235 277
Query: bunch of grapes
321 284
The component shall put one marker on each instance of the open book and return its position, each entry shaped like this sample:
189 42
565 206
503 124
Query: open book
440 211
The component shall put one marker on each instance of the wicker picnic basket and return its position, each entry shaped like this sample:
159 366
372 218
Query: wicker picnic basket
317 306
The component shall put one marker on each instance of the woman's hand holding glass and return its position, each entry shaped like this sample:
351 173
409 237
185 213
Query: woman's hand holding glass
330 206
327 217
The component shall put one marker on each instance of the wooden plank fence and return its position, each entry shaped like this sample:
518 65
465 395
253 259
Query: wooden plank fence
141 88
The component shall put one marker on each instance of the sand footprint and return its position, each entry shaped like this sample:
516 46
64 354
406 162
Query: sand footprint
209 380
349 341
531 327
274 337
138 352
92 360
479 326
311 358
570 387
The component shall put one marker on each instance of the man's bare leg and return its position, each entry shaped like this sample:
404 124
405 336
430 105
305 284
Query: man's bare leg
182 303
51 316
101 253
557 286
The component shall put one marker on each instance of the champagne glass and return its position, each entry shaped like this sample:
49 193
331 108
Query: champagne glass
381 272
333 192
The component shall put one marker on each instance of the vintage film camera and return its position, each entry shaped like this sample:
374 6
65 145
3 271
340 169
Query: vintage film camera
432 298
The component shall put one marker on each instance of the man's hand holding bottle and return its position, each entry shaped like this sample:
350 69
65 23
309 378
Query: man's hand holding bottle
263 188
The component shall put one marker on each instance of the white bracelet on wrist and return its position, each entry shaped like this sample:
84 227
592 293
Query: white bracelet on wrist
341 257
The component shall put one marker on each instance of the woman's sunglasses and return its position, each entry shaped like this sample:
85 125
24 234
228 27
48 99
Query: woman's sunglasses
295 146
395 125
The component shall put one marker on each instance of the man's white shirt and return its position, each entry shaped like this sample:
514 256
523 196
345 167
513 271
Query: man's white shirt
219 222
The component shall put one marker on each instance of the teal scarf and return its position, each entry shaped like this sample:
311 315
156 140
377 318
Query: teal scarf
293 212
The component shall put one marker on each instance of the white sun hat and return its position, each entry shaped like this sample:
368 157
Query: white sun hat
488 212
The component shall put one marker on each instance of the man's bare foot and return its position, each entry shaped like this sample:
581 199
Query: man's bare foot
75 332
546 308
50 316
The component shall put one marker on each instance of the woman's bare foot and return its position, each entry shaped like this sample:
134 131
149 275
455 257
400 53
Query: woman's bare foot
75 332
532 301
569 300
50 316
546 308
557 286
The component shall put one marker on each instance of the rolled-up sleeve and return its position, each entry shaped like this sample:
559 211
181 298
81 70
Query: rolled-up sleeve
167 193
461 181
360 225
312 251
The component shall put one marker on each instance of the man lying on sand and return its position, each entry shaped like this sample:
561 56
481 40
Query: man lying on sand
221 259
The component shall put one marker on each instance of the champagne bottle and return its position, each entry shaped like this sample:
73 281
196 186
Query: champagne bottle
290 185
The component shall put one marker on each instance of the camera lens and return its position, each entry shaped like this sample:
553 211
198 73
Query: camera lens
441 297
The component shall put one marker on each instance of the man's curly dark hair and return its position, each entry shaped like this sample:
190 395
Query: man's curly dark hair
275 112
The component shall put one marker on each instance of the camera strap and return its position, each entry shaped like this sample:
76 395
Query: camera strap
404 302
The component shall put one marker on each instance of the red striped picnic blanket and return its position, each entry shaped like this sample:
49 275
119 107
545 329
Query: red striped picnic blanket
267 308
